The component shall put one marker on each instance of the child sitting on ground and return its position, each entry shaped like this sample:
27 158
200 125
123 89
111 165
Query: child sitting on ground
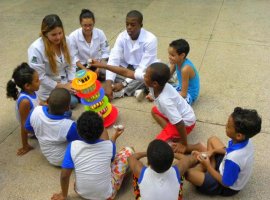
51 127
172 112
225 171
99 172
188 77
27 80
160 180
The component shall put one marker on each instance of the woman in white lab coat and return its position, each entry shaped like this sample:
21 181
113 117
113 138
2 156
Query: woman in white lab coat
88 42
49 55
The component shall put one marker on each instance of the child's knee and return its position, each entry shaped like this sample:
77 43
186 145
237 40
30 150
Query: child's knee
212 140
200 147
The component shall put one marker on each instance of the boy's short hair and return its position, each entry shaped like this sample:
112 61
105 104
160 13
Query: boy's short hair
181 46
160 156
59 101
160 73
246 121
135 14
90 126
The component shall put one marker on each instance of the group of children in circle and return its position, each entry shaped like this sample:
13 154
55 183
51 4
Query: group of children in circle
131 68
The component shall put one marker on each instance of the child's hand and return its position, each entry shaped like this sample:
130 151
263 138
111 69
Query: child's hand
24 150
119 129
58 196
97 64
149 97
195 154
179 148
204 159
69 87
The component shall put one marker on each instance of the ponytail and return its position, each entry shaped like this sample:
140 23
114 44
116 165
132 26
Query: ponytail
12 91
22 75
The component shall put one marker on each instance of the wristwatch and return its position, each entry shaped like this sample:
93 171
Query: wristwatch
125 83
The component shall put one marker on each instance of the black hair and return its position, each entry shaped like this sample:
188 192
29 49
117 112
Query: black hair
246 121
22 75
90 126
86 14
59 101
159 155
135 14
160 73
181 46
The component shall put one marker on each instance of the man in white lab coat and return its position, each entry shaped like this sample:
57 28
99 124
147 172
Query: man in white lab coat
134 50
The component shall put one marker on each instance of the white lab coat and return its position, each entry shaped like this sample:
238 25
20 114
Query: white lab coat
39 61
82 51
140 53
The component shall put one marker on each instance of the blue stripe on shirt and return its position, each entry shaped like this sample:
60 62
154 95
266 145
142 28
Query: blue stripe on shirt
141 175
27 124
236 146
177 174
67 162
230 174
51 116
114 151
72 133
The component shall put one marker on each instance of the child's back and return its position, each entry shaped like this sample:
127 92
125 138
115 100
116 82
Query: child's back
51 127
160 180
162 186
174 107
92 164
52 132
99 171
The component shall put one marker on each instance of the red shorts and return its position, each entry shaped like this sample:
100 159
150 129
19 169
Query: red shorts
170 131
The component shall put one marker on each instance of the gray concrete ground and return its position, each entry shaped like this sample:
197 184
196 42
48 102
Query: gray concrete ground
230 45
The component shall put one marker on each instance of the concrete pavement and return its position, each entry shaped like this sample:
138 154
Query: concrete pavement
230 45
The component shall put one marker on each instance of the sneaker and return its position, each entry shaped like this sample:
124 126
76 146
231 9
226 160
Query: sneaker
139 94
119 94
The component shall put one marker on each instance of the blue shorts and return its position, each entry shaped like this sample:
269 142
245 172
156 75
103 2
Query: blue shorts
188 98
211 186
